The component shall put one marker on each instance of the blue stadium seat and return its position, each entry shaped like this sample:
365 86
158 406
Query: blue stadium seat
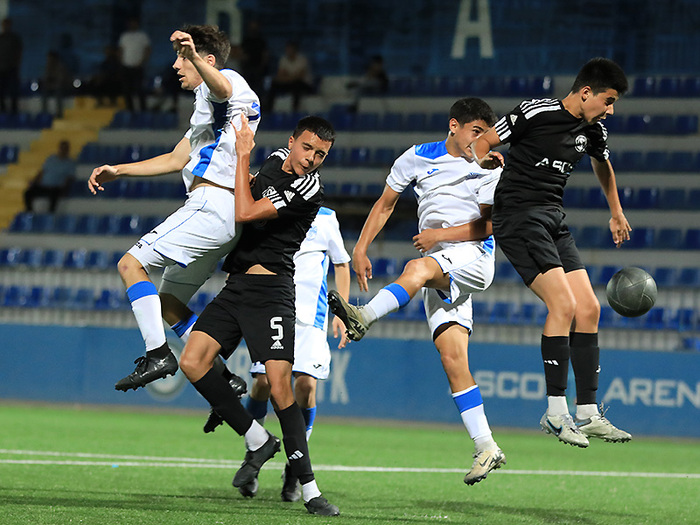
669 87
392 122
595 198
626 196
501 313
681 161
646 198
669 239
350 189
593 237
335 157
43 223
75 259
692 239
693 202
644 87
383 157
656 319
574 197
691 87
525 315
385 267
506 273
373 190
640 239
88 225
367 122
111 300
130 225
480 312
665 277
438 122
330 189
656 161
672 199
359 157
415 122
686 125
22 222
83 299
61 297
606 273
689 277
15 296
31 257
53 259
639 124
683 320
97 260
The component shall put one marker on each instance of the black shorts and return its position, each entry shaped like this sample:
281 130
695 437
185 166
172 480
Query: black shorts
257 308
536 240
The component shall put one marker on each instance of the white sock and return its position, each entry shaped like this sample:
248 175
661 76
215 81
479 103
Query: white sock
310 491
256 436
145 304
381 304
586 411
477 425
557 406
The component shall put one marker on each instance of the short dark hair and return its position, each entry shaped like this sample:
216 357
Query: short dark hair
209 40
316 125
471 109
601 74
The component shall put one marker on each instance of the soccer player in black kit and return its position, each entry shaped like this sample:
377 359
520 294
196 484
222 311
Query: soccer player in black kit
547 139
257 302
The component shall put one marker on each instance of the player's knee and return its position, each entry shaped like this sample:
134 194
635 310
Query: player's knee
564 308
419 269
261 387
588 311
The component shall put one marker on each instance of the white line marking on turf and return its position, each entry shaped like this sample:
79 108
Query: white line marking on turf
170 462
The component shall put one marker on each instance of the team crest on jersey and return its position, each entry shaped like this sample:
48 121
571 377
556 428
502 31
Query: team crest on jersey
513 118
581 143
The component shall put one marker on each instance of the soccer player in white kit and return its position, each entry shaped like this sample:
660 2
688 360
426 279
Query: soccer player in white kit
190 242
455 196
322 246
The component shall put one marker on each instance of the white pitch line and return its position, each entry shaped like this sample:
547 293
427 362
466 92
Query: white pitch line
163 462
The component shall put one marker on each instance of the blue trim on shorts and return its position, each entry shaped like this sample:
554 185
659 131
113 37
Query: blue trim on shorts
322 300
141 289
399 292
469 399
489 244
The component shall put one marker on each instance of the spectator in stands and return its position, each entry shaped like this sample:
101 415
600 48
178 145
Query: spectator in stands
57 82
134 51
53 180
454 218
375 81
10 62
106 83
547 139
191 241
293 76
255 57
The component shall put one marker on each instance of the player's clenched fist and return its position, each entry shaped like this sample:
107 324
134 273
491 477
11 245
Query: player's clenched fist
99 176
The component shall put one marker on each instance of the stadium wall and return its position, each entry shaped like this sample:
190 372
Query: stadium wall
649 393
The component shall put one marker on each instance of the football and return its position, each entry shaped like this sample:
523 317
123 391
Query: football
631 292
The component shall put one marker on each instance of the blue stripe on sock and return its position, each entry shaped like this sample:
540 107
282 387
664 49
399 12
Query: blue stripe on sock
398 291
309 416
468 400
140 289
257 409
182 326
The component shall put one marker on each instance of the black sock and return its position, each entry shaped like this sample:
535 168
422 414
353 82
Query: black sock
215 389
555 356
160 352
295 445
585 359
220 367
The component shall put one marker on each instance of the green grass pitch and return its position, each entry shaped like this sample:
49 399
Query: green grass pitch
61 465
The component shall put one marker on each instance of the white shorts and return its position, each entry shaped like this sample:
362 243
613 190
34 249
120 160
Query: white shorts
312 355
471 269
190 242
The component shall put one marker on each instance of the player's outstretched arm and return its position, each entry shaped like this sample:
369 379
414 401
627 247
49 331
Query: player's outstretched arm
342 284
378 215
160 165
619 227
217 83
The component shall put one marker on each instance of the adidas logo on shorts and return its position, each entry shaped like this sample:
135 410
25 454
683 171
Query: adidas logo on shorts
277 346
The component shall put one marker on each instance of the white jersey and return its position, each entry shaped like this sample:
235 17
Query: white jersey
212 136
323 245
449 189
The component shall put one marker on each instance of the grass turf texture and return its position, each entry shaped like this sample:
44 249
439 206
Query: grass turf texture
106 490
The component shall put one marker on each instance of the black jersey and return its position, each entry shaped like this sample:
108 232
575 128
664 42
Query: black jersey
546 143
273 243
